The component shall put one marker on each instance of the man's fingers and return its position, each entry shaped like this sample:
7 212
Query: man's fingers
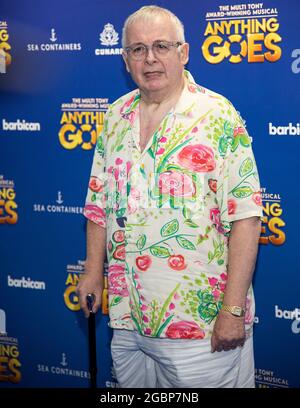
83 302
97 303
223 345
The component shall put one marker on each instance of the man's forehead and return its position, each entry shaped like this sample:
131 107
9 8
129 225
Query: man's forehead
157 28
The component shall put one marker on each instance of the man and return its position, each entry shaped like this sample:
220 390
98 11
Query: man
174 200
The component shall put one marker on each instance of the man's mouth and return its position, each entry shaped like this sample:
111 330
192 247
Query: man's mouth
150 74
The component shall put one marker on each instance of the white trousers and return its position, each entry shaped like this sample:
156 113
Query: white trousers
145 362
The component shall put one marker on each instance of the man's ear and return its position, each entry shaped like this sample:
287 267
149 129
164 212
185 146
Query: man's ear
125 60
184 53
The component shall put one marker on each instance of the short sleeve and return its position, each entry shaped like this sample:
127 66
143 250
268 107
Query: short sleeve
238 192
95 204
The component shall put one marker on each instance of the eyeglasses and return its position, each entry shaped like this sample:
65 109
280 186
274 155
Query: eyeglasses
162 48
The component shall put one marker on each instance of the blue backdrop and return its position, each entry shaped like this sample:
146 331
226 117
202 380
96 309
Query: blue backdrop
60 67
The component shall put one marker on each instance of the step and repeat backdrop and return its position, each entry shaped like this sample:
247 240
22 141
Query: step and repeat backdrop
60 68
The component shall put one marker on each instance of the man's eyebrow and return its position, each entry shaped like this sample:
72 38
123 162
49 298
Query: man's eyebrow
141 43
136 43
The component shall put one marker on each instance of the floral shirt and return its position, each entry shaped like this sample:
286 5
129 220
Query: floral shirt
168 211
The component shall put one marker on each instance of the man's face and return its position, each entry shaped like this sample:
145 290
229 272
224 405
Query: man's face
156 72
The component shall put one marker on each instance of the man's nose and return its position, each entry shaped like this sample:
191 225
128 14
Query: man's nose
150 57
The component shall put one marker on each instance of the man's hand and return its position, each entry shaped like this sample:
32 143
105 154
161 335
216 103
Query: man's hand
89 283
228 332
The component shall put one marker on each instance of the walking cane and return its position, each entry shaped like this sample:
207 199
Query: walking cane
92 341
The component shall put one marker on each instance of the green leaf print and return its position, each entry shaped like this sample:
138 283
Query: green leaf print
164 308
185 243
223 145
141 242
228 129
207 311
246 167
115 301
121 212
150 152
169 228
205 296
162 327
242 192
119 148
186 212
234 145
245 140
191 224
159 251
100 147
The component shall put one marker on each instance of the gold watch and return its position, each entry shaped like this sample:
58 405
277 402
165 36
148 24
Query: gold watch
234 310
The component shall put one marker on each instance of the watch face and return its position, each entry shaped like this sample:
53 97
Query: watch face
234 310
237 311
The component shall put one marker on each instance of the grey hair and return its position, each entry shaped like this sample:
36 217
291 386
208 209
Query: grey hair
149 13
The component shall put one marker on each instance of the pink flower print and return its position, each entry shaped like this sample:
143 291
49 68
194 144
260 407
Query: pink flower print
118 161
222 287
133 200
143 262
128 166
130 117
95 184
215 218
144 308
96 214
195 129
176 184
167 314
177 262
135 193
163 139
171 306
176 296
231 204
145 319
223 276
216 294
192 88
212 282
160 151
116 174
110 246
198 158
212 183
238 131
256 197
126 105
147 331
185 330
116 281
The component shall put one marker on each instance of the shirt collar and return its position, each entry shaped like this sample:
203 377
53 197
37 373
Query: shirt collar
185 104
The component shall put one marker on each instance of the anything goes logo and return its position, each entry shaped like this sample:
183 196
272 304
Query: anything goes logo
74 272
239 38
4 45
272 223
8 205
9 354
82 122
